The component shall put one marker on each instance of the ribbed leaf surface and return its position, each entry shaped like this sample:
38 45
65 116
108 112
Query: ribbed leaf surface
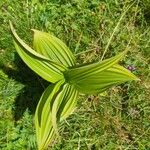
56 103
98 77
103 80
53 48
54 62
84 71
47 69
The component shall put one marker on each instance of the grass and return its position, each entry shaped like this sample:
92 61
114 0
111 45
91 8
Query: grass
118 119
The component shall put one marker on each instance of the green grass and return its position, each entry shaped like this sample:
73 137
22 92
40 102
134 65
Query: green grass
118 119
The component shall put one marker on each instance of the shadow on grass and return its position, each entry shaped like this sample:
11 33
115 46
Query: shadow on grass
33 87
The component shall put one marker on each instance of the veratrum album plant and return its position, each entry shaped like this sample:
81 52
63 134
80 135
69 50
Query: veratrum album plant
51 59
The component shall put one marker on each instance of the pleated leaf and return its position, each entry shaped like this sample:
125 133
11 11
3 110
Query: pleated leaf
57 102
44 67
77 73
105 79
98 77
53 48
53 61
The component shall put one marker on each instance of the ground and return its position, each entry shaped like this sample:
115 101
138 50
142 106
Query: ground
118 119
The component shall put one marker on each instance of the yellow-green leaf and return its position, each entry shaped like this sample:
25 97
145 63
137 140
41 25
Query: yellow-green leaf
105 79
47 69
98 77
52 48
57 102
77 73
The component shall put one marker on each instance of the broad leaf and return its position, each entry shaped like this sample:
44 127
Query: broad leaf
47 69
98 77
53 48
54 62
103 80
77 73
57 102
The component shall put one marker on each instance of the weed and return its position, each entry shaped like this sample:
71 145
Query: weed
84 26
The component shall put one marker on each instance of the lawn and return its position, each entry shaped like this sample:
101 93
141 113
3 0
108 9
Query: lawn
118 119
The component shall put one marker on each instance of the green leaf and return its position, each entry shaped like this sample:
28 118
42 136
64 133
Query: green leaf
38 119
52 48
98 77
46 68
56 103
77 73
101 81
43 118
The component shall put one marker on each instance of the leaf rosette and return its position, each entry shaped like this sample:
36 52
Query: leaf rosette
51 59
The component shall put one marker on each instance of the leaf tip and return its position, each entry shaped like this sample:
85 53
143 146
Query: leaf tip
137 79
35 31
11 26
